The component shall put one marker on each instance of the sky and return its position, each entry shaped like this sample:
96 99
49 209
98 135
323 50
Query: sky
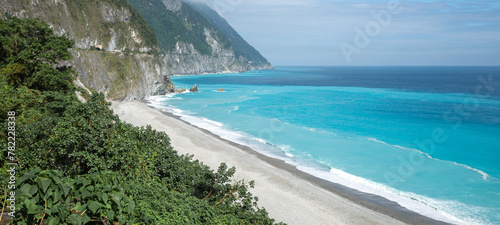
368 33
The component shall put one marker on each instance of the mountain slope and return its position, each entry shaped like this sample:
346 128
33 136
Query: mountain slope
191 44
240 46
127 64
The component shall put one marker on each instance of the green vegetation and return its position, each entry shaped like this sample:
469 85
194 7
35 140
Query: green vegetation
88 14
240 46
186 25
80 164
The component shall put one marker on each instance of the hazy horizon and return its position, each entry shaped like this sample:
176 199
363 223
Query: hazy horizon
376 33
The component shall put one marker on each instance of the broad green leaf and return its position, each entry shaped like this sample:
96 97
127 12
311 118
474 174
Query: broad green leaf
25 189
28 175
111 214
66 188
33 190
131 206
79 207
52 221
56 196
75 219
82 180
105 198
85 218
55 177
27 203
45 184
93 206
32 209
90 188
85 193
116 199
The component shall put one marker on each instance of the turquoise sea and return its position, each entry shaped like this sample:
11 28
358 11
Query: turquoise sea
425 137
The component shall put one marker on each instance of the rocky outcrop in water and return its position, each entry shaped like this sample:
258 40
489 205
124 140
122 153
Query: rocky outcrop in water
194 88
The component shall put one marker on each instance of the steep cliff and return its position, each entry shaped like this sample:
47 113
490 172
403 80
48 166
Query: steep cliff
115 51
191 44
240 46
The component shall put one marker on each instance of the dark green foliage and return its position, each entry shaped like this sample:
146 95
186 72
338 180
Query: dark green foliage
77 9
90 199
79 164
240 46
30 49
170 27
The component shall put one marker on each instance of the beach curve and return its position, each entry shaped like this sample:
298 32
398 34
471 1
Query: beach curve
289 195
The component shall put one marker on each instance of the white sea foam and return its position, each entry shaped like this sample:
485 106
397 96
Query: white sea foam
483 174
401 147
260 140
286 149
236 108
213 122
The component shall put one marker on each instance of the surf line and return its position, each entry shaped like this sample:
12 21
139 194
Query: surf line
438 136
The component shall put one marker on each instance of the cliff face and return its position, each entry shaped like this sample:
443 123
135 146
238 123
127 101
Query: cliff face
114 48
207 49
185 59
129 48
242 50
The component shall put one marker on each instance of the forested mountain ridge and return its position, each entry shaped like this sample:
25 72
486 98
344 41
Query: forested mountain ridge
191 44
240 46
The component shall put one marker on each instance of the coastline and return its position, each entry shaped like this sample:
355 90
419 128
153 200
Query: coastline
225 72
288 194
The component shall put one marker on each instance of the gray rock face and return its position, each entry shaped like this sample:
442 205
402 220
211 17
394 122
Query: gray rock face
194 88
185 60
144 79
173 5
113 14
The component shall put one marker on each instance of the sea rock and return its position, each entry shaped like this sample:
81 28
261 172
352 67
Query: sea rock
221 90
180 90
194 88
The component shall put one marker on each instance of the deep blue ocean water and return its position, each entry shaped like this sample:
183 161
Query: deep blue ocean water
426 137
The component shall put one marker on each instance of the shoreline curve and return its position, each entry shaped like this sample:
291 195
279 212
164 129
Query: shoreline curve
288 194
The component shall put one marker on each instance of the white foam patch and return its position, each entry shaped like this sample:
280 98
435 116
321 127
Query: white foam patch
401 147
213 122
286 149
260 140
235 108
482 173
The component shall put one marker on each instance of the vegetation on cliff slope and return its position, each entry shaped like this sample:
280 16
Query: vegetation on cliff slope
240 46
80 164
88 14
171 27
